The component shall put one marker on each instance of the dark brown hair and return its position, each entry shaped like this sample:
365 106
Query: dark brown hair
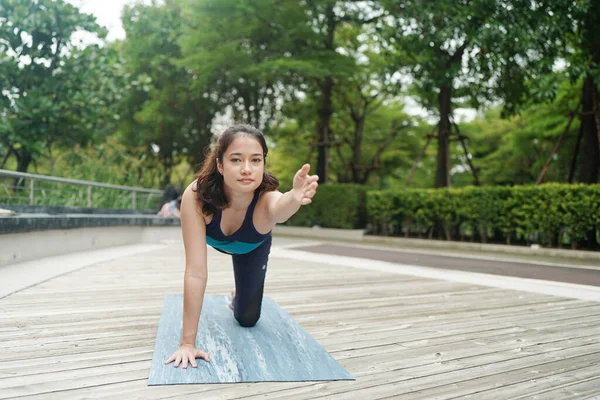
210 188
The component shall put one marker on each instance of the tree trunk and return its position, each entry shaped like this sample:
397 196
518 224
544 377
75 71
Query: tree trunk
325 111
23 161
359 127
414 166
325 106
6 157
166 158
447 231
590 160
442 175
574 156
168 169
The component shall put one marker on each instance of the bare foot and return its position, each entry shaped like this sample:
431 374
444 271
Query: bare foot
232 297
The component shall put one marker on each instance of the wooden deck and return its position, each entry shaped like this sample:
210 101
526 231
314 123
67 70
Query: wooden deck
90 334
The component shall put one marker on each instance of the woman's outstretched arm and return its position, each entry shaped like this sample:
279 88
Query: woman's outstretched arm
282 206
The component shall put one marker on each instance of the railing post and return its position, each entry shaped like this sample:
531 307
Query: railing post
31 198
23 177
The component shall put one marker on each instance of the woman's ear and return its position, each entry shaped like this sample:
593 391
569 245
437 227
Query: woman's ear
219 167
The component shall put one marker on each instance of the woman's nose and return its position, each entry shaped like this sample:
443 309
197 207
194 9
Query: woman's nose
246 167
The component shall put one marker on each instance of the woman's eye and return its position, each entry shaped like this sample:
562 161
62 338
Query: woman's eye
257 160
235 159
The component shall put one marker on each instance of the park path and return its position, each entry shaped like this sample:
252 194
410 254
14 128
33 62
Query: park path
90 333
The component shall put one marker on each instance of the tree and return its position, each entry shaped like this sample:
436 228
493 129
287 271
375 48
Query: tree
512 151
326 17
584 64
573 31
360 134
469 53
42 100
164 116
240 53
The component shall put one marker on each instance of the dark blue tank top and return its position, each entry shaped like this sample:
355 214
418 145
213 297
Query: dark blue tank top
242 241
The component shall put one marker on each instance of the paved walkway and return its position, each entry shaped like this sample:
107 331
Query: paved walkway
404 333
555 272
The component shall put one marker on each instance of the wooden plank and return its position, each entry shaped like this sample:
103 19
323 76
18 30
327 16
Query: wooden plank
378 357
149 329
65 362
69 379
63 328
54 389
439 381
441 318
583 389
47 342
93 334
79 348
368 382
556 386
476 383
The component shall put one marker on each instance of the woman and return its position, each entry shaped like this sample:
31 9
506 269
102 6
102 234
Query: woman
232 206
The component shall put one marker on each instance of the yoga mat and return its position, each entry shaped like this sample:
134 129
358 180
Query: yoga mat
276 349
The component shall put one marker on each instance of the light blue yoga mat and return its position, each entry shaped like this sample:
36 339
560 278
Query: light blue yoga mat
276 349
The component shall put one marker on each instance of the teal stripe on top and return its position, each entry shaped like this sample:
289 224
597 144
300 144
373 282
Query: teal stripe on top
232 247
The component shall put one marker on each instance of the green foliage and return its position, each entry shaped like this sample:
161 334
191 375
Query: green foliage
245 54
289 151
580 33
470 53
186 65
109 162
167 117
335 206
436 40
528 213
47 81
512 151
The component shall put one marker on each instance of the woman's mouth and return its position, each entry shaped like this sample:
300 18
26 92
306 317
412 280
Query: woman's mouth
246 181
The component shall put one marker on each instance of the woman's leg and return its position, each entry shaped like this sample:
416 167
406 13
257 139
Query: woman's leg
250 270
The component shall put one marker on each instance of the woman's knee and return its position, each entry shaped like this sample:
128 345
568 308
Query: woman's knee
248 321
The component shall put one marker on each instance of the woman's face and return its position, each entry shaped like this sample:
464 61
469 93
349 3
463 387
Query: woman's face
243 164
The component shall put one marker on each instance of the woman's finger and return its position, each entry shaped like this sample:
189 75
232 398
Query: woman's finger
193 361
170 360
302 172
185 361
177 361
204 355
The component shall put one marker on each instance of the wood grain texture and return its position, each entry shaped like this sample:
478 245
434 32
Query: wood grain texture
92 333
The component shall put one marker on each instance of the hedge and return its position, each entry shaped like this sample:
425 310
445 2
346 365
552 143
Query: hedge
550 214
334 206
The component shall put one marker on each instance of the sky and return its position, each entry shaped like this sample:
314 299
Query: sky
107 13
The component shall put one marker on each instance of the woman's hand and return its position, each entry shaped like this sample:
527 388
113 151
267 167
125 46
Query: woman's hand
305 186
186 353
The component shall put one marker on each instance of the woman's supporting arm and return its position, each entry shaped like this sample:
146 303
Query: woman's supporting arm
193 229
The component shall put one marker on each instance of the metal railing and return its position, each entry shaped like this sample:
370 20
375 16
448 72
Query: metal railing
33 178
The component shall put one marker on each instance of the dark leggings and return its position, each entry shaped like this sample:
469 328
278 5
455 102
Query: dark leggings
250 270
